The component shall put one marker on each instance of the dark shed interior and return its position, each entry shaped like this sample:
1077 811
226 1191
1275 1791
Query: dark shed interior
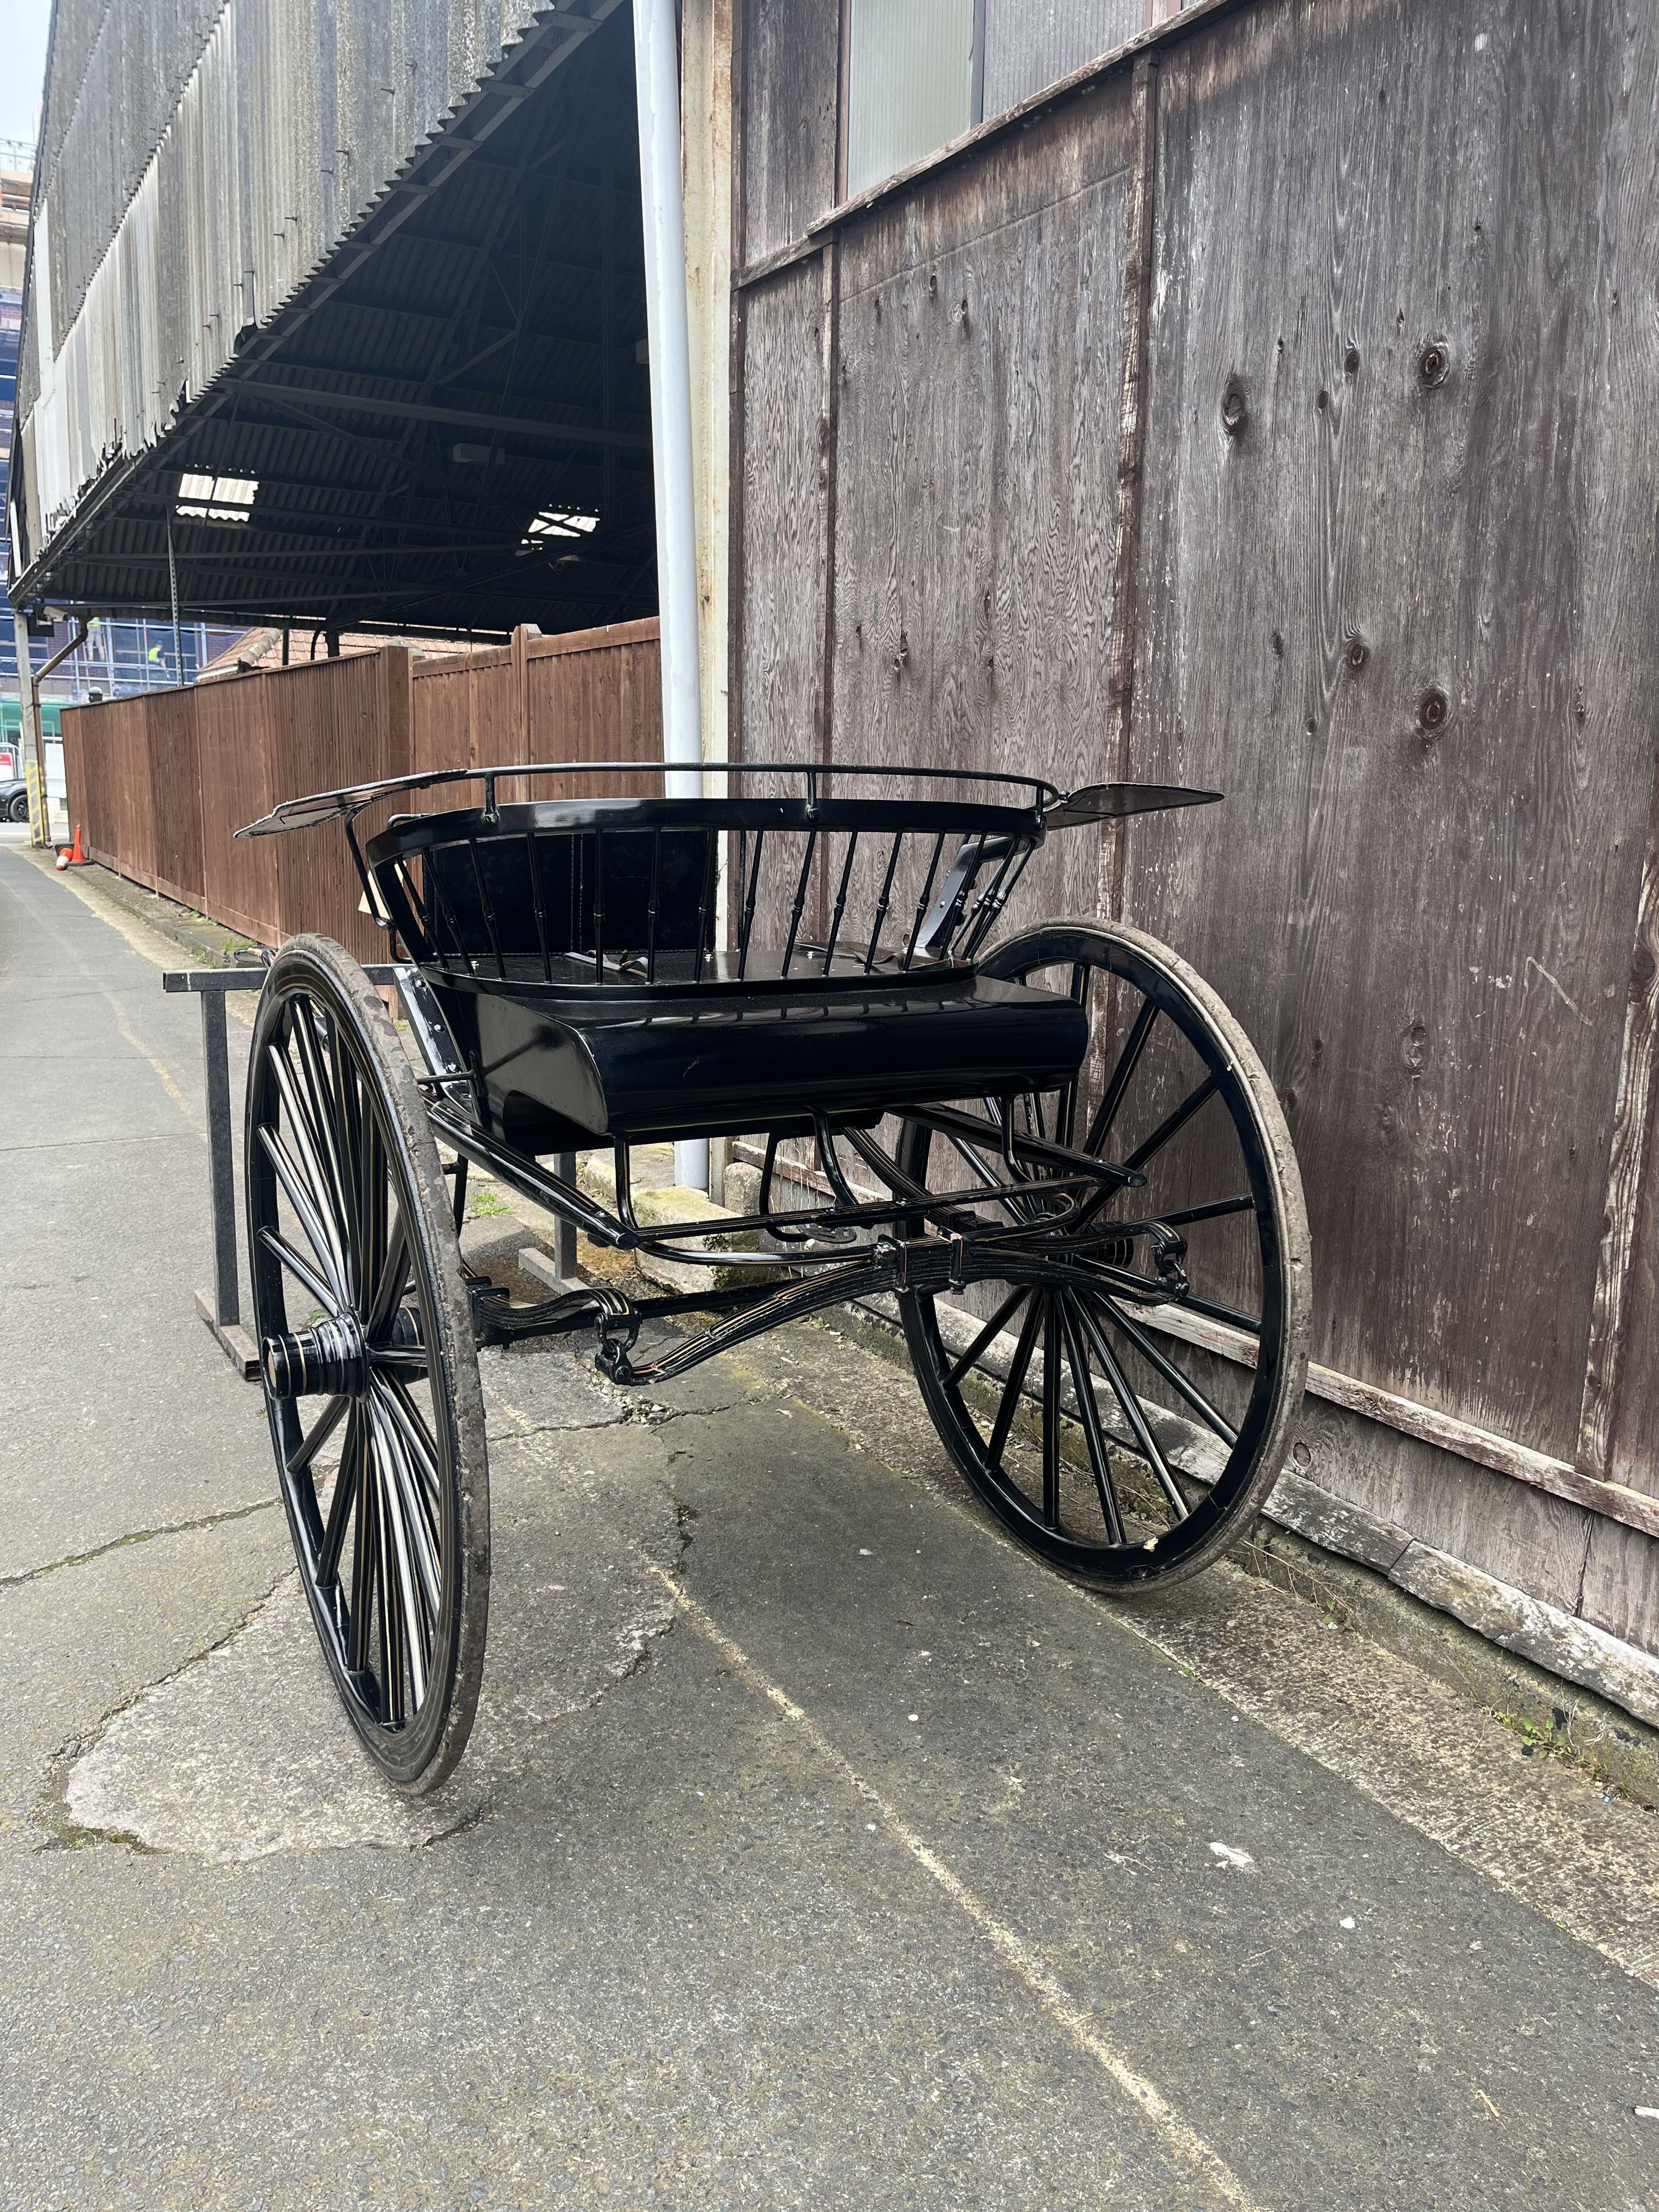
449 427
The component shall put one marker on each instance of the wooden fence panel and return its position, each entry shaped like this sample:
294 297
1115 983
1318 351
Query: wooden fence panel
237 734
462 707
595 695
173 769
128 767
103 835
162 783
342 722
77 788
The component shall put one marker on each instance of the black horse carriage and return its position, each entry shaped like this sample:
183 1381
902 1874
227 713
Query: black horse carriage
1059 1158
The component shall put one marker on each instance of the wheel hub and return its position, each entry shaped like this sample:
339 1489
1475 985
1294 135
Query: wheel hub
322 1361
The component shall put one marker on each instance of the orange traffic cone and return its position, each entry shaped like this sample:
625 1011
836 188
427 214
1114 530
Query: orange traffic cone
75 858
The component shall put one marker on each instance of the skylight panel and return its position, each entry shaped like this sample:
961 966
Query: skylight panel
554 522
215 498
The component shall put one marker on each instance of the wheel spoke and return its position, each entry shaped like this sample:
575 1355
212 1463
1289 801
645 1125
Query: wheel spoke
326 1132
1161 1364
1089 1410
1192 1303
1213 1211
324 1195
306 1276
306 1452
351 1120
1050 1414
1066 1105
387 1358
414 1507
1174 1122
348 1481
373 1212
393 1275
1135 1414
983 1175
292 1072
330 1256
991 1328
1011 1388
415 1600
389 1612
1106 1113
365 1527
417 1436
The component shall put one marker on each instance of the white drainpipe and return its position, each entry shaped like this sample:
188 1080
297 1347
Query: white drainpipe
656 74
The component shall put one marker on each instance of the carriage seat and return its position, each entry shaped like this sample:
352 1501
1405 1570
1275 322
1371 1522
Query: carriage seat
561 1072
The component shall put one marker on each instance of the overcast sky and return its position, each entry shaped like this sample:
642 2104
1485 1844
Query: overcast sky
23 46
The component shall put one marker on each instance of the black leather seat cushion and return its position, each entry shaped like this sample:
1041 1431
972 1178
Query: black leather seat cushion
703 1064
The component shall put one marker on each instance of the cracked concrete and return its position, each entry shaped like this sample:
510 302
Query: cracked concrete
581 1507
77 1644
814 1846
139 1536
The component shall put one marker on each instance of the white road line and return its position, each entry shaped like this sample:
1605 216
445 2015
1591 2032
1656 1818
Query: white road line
1182 2141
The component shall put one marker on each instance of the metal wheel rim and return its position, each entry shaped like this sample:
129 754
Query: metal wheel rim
1221 1512
409 1746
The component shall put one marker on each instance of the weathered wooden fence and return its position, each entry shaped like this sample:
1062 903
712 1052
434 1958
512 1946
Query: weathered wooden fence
1270 410
160 783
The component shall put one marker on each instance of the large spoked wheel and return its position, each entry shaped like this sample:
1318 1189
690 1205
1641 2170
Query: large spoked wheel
367 1354
1124 1404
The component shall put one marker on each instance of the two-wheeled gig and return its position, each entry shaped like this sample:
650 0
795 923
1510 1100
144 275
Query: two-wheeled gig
1053 1153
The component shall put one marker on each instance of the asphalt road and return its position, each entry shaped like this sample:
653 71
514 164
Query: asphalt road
815 1848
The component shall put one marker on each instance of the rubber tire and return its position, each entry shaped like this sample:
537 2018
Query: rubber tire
1294 1268
418 1758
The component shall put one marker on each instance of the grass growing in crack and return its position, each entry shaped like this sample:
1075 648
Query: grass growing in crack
1553 1739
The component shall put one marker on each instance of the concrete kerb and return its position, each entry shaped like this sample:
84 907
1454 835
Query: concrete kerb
209 944
1553 1716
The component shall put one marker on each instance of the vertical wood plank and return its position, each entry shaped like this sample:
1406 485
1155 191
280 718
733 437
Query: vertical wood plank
791 68
1624 1251
1131 462
981 347
779 655
1395 577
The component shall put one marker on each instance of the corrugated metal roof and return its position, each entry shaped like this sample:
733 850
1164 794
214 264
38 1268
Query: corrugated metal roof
239 323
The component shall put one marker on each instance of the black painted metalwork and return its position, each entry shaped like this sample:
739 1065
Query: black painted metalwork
570 985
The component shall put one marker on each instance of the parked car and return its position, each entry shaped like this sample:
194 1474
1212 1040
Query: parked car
14 799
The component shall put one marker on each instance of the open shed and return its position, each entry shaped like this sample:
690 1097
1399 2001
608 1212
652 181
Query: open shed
338 315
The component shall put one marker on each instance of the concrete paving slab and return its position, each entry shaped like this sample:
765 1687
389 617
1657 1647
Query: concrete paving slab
119 1414
575 1607
79 1641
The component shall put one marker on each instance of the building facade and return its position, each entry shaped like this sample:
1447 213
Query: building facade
1267 406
